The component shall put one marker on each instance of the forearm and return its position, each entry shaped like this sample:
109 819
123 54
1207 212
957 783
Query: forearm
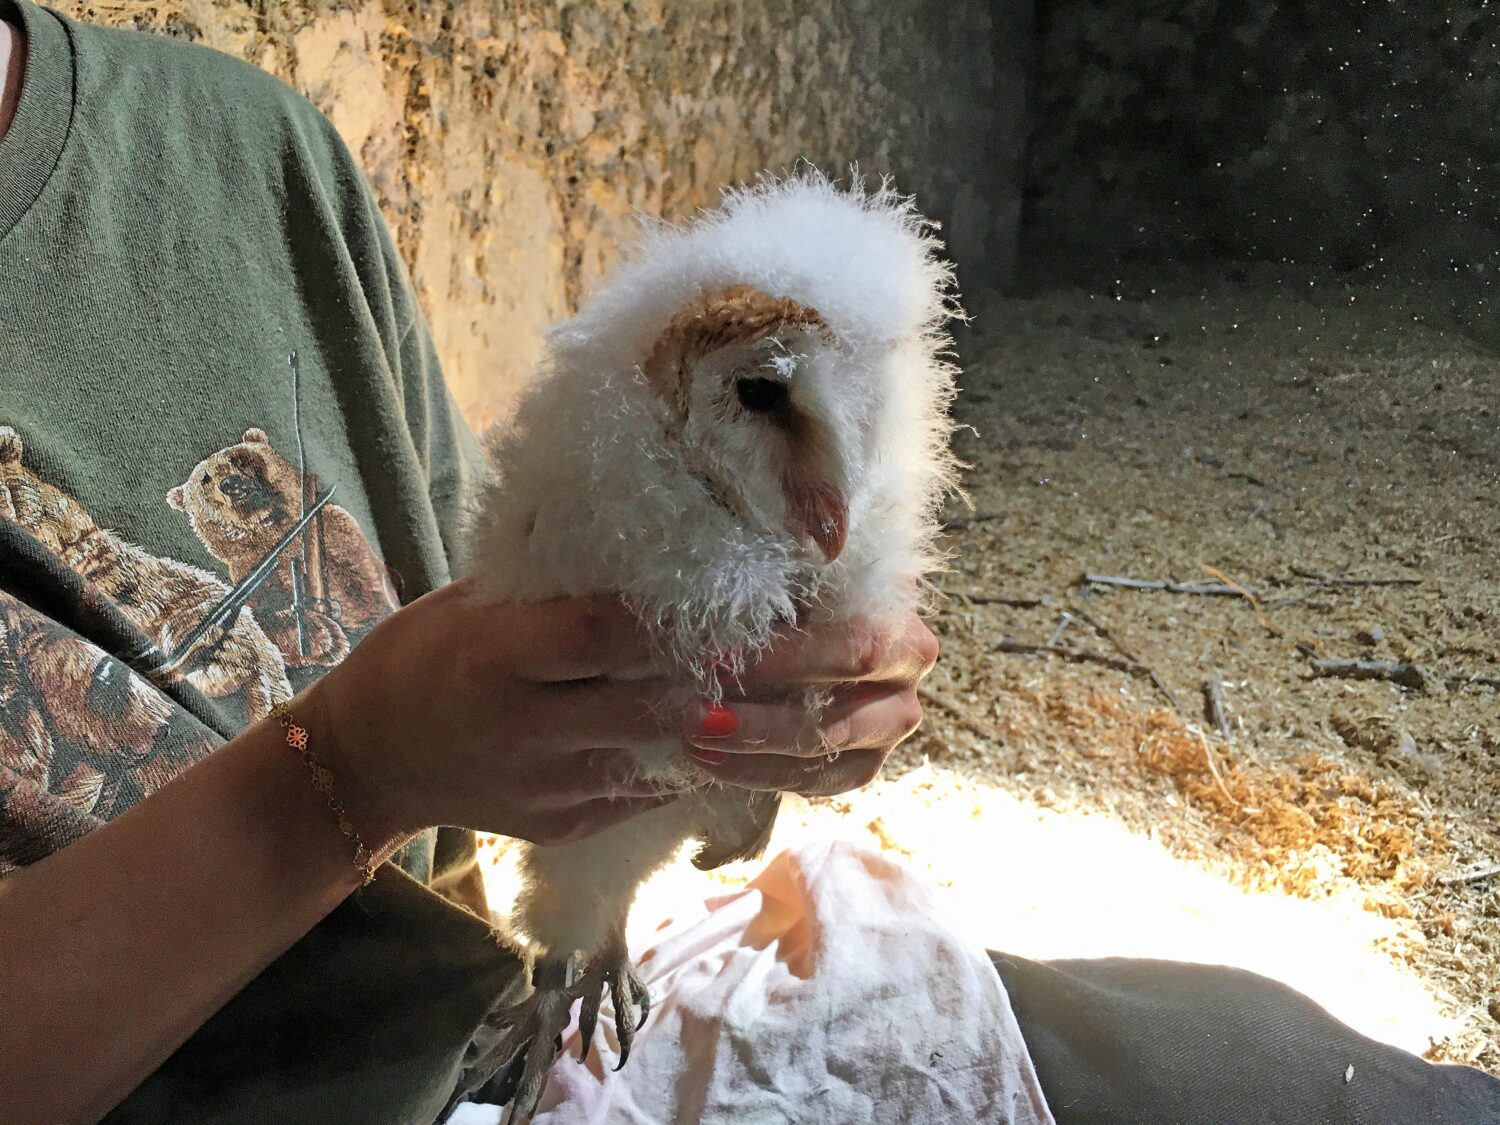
117 948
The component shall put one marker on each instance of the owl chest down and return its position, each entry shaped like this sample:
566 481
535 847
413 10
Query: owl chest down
743 431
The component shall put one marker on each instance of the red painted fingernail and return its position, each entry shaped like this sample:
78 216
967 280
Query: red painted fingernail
719 722
709 757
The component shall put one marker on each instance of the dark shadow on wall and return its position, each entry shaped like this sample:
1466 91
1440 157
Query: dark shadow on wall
1351 136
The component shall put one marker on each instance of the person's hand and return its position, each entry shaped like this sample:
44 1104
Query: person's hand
459 709
762 741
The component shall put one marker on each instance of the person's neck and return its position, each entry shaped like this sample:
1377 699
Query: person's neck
12 64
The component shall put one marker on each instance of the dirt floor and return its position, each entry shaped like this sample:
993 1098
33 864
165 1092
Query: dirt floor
1330 453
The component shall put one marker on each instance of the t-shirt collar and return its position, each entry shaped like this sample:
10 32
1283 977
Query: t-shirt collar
30 150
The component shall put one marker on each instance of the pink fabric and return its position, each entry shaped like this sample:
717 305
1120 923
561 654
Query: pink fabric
829 990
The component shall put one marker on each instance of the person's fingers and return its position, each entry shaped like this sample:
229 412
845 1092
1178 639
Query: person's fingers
599 772
846 652
551 641
579 639
628 714
860 716
582 821
846 772
811 777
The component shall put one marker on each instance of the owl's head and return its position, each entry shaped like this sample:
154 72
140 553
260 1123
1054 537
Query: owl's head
765 408
793 341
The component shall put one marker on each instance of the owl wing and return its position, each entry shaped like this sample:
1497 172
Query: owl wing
741 832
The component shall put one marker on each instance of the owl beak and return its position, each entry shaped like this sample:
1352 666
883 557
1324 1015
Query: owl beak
819 513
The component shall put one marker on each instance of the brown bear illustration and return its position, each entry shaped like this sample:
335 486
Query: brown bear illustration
25 733
166 600
34 823
328 587
79 723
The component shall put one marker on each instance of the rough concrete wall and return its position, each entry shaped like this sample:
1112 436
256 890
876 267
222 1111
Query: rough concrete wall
1352 135
512 141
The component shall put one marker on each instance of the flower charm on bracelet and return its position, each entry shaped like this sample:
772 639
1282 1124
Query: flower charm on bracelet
323 781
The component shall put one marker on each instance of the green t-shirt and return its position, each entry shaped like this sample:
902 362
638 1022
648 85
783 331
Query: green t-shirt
226 452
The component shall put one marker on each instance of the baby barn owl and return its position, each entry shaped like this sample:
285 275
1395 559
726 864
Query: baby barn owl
748 421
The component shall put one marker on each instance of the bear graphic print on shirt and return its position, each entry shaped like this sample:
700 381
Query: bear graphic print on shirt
244 500
83 736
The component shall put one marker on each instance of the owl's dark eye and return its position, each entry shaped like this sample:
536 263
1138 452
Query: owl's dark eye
761 396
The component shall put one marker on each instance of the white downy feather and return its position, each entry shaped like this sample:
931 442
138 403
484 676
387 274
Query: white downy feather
591 494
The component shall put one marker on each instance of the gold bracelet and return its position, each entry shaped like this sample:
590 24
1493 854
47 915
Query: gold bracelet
322 779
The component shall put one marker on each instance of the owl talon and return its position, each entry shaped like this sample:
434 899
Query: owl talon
626 1025
588 1019
611 969
515 1069
640 995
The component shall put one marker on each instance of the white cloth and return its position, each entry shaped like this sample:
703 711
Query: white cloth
830 990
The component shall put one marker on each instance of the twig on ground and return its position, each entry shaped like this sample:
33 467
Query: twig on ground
1481 681
1400 672
1069 652
998 599
1340 580
956 714
1213 696
1205 589
1250 596
1322 584
1116 644
1213 768
1470 876
1062 627
1295 599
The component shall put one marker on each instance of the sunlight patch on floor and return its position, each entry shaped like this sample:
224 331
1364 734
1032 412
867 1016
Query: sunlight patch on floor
1049 884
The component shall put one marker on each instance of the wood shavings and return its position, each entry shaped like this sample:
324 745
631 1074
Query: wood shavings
1394 569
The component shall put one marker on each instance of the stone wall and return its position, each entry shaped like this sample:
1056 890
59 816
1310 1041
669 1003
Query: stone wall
512 141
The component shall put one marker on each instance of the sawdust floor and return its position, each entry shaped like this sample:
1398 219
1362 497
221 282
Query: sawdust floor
1274 430
1293 435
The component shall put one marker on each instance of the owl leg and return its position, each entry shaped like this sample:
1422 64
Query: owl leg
515 1070
611 969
